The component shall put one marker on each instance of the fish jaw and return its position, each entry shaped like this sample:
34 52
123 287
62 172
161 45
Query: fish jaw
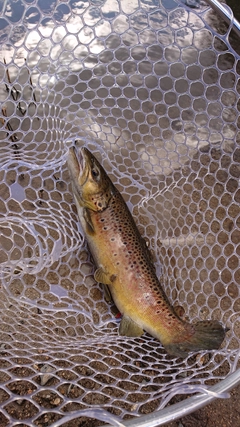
91 185
77 166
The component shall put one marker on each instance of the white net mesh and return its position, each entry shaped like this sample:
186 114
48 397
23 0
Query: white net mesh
152 90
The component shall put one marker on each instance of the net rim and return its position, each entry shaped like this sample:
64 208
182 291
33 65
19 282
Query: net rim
226 13
170 413
174 412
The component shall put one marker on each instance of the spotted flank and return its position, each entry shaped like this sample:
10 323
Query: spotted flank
124 264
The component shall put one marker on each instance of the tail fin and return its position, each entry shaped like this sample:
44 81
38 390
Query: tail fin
206 335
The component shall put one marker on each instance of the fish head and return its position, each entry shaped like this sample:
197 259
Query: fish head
92 187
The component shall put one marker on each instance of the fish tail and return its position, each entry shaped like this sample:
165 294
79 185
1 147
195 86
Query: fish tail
204 335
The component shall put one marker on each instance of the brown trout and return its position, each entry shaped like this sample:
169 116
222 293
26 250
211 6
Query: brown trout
124 263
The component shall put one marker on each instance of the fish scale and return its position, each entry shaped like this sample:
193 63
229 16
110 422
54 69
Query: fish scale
124 263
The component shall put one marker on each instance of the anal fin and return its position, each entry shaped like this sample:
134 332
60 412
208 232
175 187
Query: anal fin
129 328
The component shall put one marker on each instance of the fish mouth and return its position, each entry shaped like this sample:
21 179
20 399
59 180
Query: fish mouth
79 154
77 164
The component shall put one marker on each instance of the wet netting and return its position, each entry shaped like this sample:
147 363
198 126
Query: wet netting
152 89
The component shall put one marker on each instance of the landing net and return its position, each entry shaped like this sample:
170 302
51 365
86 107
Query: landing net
152 89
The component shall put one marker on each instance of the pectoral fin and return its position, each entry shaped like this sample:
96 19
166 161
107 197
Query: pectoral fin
88 221
104 277
129 328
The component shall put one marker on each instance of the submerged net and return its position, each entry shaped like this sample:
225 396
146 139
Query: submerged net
152 90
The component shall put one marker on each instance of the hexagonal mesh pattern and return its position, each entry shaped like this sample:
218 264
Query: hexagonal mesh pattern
152 90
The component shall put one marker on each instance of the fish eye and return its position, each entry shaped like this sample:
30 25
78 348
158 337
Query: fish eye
95 173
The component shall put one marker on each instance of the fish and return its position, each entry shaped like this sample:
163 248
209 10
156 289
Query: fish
124 263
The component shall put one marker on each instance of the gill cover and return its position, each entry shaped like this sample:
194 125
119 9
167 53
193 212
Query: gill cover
91 186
